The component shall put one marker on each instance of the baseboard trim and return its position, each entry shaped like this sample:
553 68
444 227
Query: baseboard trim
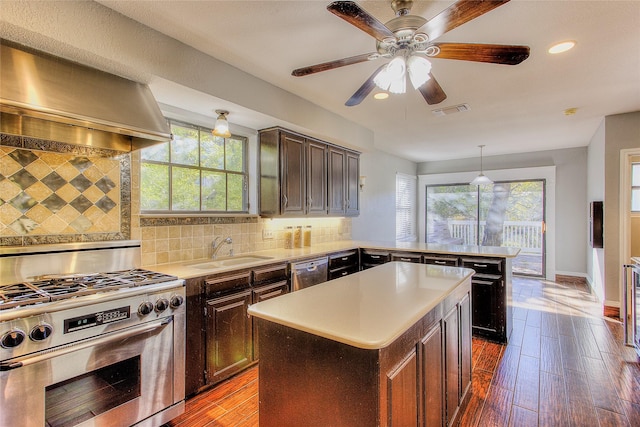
581 280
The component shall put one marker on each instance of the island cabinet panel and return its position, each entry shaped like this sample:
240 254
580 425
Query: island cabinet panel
433 379
416 380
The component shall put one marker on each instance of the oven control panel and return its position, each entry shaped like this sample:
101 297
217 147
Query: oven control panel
96 319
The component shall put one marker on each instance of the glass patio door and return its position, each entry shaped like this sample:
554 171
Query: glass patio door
507 214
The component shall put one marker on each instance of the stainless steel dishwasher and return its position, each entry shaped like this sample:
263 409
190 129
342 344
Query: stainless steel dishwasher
309 273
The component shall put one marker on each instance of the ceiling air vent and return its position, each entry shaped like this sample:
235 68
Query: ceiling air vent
451 110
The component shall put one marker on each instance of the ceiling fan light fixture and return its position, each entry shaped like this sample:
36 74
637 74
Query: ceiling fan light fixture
222 125
481 178
393 76
381 95
419 70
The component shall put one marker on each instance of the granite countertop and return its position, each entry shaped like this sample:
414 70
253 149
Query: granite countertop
369 309
187 269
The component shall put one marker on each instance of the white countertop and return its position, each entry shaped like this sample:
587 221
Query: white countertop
369 309
186 270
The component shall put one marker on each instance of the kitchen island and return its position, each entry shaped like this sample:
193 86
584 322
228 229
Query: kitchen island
385 346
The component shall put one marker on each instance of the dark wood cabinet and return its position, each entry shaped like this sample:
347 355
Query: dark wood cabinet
268 282
433 378
303 176
371 257
195 337
337 177
440 259
352 184
343 263
491 316
229 335
406 257
402 392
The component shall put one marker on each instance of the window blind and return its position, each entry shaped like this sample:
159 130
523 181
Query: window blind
406 207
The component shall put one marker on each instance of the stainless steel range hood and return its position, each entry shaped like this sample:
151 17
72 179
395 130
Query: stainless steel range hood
50 98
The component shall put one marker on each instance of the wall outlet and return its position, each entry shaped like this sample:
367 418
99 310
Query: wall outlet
267 234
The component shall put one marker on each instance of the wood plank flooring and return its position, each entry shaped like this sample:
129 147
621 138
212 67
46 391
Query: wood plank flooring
565 365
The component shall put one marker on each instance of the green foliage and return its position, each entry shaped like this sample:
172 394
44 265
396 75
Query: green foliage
207 173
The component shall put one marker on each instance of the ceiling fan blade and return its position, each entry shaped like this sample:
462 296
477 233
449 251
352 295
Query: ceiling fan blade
364 90
355 15
493 53
325 66
432 92
457 14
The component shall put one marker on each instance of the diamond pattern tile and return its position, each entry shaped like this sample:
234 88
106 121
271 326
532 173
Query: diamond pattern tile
24 157
105 184
23 202
54 203
23 179
81 203
80 183
54 181
85 199
106 204
81 163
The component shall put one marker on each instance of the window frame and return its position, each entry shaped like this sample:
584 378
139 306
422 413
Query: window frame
412 185
244 173
636 166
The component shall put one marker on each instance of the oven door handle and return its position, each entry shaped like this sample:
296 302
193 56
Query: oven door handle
90 342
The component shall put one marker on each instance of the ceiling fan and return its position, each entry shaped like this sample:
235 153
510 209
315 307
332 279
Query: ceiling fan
408 40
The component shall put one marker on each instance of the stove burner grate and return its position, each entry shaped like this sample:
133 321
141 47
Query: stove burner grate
57 287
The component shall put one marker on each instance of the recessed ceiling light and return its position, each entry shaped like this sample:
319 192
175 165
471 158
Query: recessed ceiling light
562 46
381 95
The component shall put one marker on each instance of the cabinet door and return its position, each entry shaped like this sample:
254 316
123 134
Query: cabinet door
229 335
452 363
465 345
432 377
264 293
353 184
402 392
195 337
337 196
293 175
485 295
316 177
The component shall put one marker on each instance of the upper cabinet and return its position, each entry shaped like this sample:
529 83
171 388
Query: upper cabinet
303 176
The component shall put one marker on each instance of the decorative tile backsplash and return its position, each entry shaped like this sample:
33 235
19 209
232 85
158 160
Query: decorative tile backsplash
48 197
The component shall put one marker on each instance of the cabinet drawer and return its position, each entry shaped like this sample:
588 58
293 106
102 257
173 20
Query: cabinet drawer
221 285
272 290
270 273
343 259
370 257
483 265
341 272
406 257
440 260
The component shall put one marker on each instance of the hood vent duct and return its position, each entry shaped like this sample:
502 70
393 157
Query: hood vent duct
45 97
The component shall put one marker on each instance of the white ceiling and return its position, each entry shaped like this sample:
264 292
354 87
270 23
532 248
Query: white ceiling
514 109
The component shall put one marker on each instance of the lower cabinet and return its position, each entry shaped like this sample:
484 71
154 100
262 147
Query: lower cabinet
406 257
343 263
371 257
421 379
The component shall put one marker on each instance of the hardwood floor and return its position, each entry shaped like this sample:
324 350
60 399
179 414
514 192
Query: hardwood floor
565 365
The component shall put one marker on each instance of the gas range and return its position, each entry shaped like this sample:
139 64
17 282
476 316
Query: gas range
57 287
73 312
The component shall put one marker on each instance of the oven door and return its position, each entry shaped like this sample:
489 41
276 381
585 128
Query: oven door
115 379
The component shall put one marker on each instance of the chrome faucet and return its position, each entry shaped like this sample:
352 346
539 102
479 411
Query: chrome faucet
215 246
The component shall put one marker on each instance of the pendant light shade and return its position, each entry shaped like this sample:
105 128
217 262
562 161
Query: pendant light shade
481 178
222 125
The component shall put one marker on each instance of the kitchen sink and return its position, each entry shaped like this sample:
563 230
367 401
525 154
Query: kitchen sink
229 262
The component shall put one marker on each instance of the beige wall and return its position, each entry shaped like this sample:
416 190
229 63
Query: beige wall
635 236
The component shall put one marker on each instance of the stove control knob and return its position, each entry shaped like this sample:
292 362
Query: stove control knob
145 308
176 301
12 339
40 332
162 304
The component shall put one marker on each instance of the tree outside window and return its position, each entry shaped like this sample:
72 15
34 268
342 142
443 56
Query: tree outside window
194 172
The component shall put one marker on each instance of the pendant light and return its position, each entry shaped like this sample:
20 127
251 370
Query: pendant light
481 178
222 125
